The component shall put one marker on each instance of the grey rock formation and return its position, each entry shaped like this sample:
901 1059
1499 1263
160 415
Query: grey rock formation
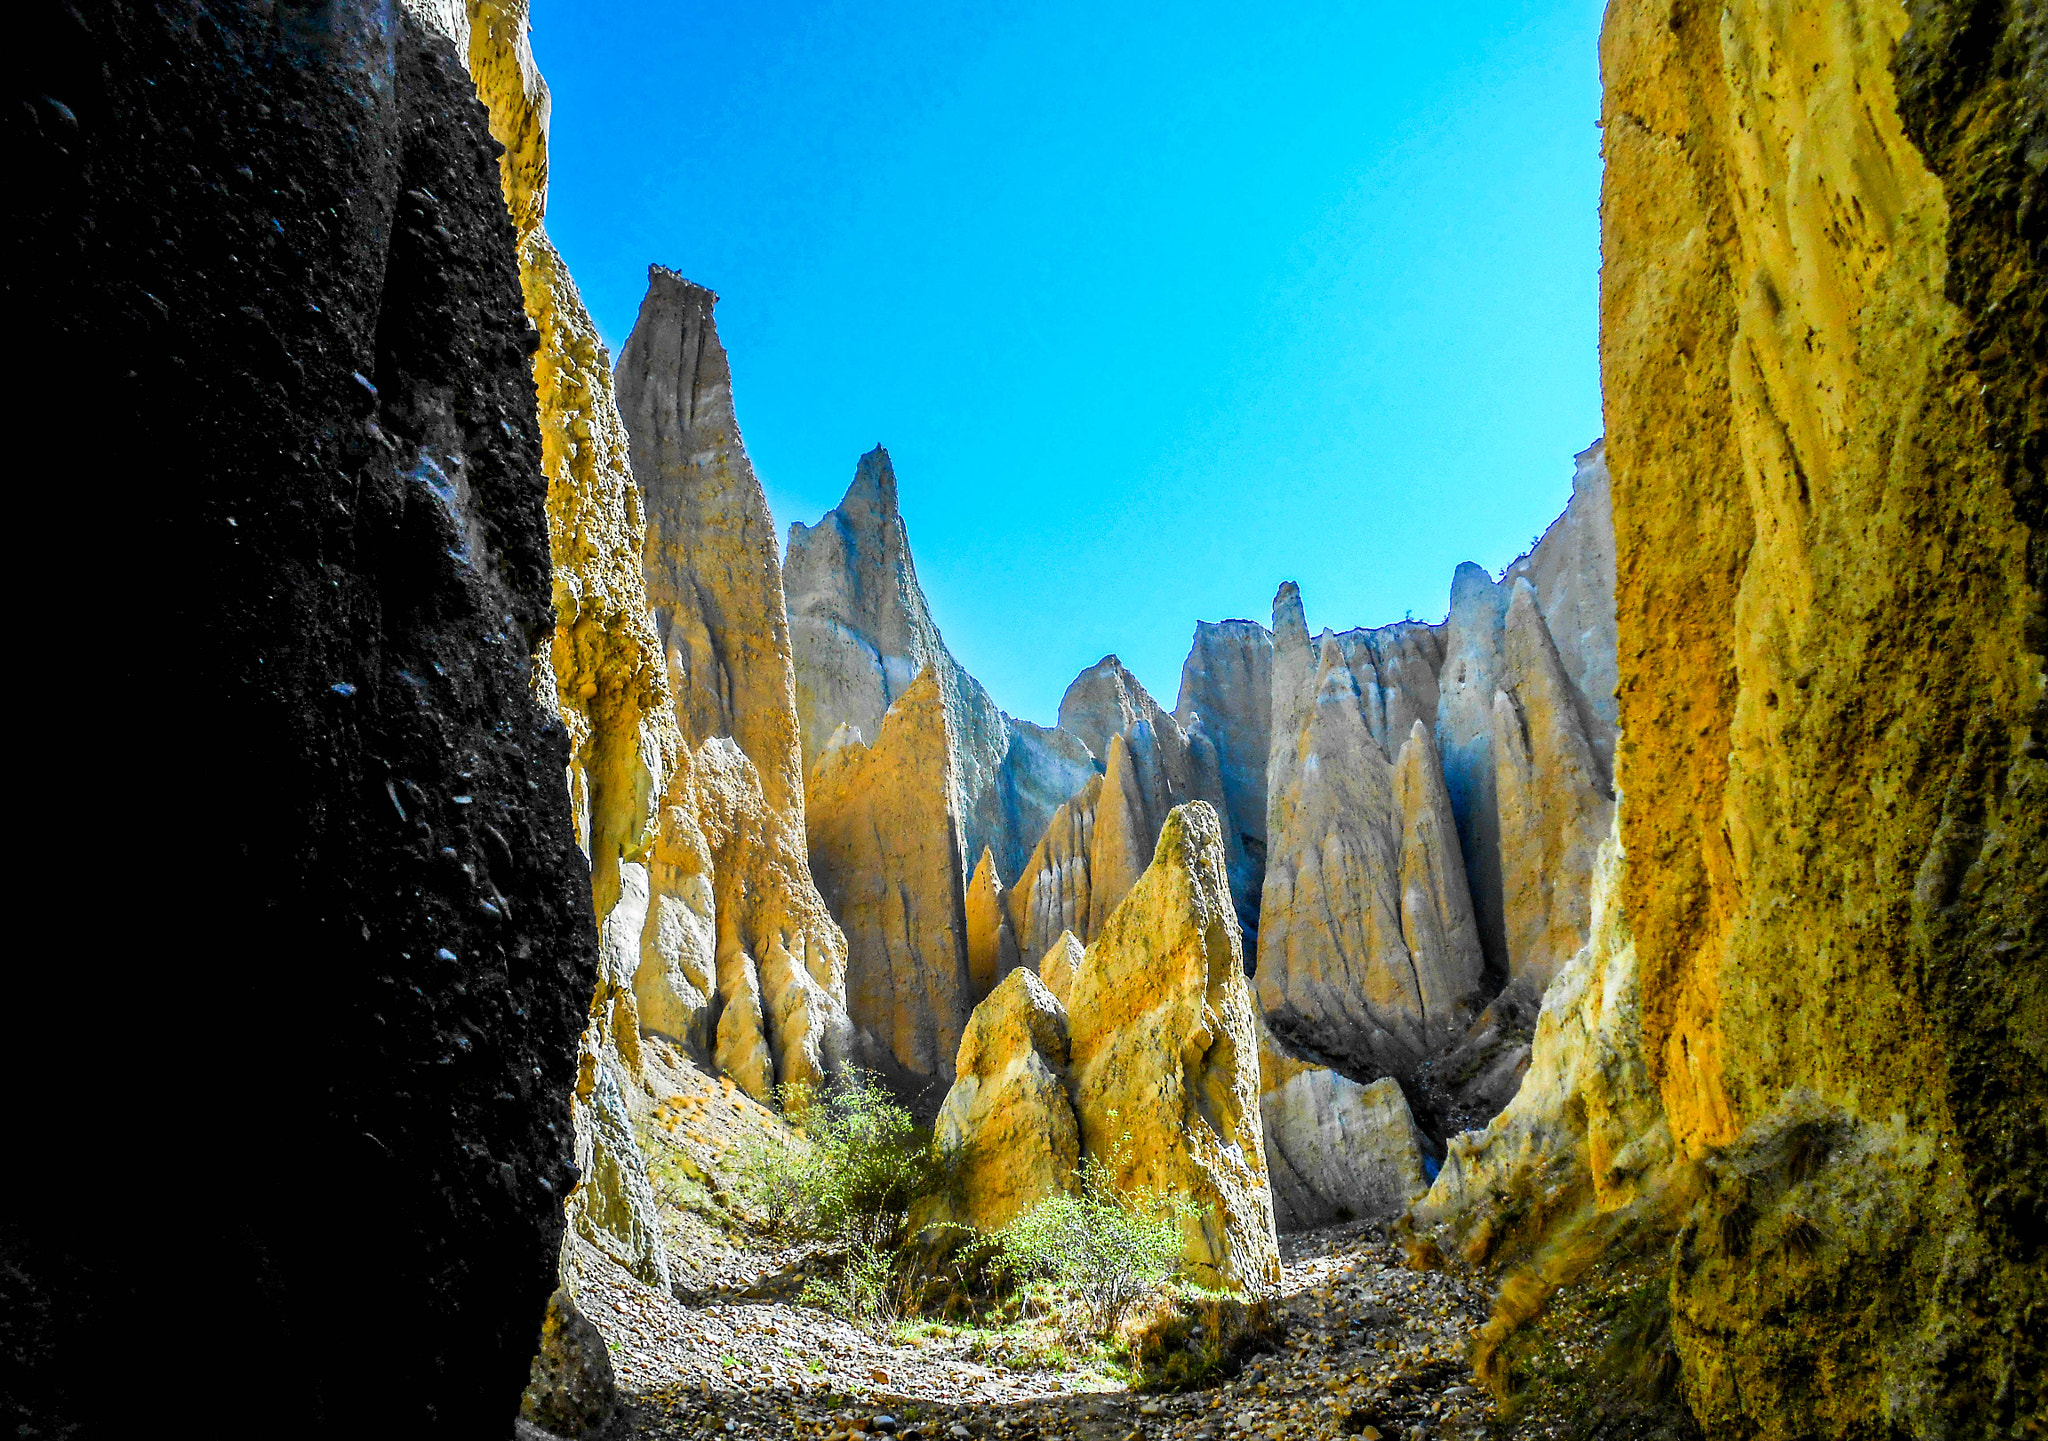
1370 954
862 631
1334 1149
1226 690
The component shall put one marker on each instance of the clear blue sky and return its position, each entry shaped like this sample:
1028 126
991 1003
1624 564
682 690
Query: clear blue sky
1154 306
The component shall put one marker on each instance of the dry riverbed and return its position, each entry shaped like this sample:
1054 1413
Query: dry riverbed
1364 1348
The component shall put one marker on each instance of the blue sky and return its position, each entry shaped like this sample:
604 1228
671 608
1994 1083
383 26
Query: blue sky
1154 306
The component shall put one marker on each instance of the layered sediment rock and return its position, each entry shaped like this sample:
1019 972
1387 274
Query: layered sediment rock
327 474
769 1005
1370 955
1821 343
1165 1048
1335 1149
1058 965
1008 1117
862 633
885 848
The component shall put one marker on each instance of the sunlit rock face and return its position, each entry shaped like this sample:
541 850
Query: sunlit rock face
885 847
862 633
1008 1117
1370 954
1821 321
1165 1048
737 955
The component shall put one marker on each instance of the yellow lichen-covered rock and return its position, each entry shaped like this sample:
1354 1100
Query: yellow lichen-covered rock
1057 966
1165 1049
885 847
1334 1149
1821 330
1055 893
714 572
1008 1118
991 946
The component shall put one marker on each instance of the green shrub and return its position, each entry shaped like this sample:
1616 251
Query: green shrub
1105 1246
859 1166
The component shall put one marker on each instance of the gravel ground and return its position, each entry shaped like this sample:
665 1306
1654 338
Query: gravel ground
1365 1348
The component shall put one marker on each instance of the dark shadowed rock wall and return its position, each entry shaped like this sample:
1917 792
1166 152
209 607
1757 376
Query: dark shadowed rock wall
300 1069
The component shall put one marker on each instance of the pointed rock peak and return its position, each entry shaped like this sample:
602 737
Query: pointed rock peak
872 493
1290 624
986 877
670 285
1105 700
1058 966
1471 585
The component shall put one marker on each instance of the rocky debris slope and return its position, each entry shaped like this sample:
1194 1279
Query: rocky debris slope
1363 1348
282 250
885 847
862 633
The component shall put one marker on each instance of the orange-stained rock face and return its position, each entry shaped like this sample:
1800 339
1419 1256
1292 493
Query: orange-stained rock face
1826 475
885 847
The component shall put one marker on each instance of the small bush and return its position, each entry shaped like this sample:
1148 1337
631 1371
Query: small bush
860 1165
1105 1246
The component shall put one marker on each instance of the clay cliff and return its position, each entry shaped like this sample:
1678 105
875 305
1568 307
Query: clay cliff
862 632
885 846
320 432
1142 1053
774 1008
1821 340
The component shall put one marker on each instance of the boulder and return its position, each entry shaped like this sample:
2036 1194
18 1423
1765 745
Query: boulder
1165 1050
1335 1150
1008 1118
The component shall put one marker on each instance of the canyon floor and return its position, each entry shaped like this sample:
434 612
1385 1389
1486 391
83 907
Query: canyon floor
1363 1347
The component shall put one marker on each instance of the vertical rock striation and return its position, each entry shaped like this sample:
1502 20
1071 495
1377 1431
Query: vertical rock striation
885 847
862 633
1226 689
1335 1150
1821 345
1370 955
